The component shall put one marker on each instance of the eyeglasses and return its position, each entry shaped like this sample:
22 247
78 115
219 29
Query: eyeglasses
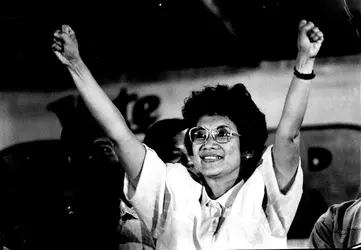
222 134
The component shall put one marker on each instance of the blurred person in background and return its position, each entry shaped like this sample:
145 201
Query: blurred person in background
101 217
167 138
339 226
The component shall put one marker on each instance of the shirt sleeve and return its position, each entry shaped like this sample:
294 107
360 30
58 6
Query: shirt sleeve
150 198
339 227
132 233
281 208
321 235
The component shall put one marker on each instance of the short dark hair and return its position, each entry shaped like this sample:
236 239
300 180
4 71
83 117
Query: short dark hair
160 136
236 103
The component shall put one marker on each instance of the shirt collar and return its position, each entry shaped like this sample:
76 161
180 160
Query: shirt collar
226 200
124 209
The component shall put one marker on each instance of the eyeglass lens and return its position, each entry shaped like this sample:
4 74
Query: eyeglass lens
200 135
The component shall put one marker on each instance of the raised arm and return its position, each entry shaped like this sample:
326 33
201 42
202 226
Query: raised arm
286 150
129 149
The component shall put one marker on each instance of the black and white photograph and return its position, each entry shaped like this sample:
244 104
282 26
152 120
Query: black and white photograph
166 125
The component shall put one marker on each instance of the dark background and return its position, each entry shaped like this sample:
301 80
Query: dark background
144 38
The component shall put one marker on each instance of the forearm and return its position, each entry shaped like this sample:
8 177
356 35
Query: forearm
128 148
98 103
297 99
286 147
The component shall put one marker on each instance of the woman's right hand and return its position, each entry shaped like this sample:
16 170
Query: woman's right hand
65 46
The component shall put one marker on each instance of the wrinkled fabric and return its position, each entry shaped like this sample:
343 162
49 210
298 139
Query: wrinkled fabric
338 227
169 202
133 234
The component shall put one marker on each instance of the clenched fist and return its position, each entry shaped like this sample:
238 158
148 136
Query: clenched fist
310 39
65 46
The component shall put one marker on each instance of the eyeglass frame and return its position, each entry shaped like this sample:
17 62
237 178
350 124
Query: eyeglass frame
211 132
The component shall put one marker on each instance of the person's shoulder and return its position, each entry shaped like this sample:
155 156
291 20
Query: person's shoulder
266 160
341 211
352 212
356 204
345 207
267 150
178 175
177 169
267 156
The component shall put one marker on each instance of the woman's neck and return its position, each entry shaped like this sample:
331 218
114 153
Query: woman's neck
216 188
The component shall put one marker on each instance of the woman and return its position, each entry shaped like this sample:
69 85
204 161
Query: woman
240 205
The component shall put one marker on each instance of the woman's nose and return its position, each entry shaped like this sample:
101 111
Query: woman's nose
210 143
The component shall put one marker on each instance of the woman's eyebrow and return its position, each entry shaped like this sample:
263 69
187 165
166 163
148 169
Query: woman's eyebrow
223 126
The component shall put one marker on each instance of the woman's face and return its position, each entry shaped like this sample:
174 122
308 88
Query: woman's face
217 160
